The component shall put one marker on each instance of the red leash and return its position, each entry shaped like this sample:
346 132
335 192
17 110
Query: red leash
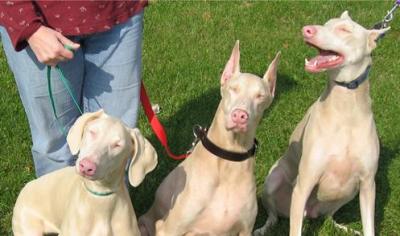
156 125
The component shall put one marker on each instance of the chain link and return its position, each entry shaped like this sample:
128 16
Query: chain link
388 18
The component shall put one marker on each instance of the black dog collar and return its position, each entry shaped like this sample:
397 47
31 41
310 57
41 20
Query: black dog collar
357 82
201 134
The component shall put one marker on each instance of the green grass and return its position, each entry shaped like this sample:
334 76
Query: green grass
186 45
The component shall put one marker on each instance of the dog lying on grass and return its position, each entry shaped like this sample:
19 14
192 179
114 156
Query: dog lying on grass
90 198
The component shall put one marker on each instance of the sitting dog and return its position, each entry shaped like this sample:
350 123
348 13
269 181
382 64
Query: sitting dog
213 191
333 152
90 198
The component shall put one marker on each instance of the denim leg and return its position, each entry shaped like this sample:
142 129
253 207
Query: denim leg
113 69
49 148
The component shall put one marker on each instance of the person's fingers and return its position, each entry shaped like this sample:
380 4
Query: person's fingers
65 41
61 58
54 61
51 63
49 46
63 53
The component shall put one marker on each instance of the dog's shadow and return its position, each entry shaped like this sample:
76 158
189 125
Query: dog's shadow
179 127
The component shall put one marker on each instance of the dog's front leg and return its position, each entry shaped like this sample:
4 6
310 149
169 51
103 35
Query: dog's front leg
367 205
301 192
186 209
245 233
306 180
250 220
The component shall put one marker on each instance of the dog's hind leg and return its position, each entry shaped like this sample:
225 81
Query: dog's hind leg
143 230
146 225
28 227
276 198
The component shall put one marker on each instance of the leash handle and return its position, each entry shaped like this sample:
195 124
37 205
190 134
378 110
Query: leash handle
72 49
156 125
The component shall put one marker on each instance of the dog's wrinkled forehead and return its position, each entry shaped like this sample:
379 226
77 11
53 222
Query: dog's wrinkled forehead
106 126
344 24
248 83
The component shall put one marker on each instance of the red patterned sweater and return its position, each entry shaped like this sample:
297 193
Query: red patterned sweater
22 18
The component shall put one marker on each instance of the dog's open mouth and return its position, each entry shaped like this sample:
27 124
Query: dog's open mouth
326 59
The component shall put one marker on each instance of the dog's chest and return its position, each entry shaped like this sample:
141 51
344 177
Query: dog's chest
345 154
227 208
340 179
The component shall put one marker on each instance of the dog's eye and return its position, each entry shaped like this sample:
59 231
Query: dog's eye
260 96
92 133
234 89
344 29
116 145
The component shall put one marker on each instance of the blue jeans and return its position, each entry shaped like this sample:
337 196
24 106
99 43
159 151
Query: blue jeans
104 73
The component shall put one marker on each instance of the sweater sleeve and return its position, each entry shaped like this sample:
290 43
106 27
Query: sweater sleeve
20 20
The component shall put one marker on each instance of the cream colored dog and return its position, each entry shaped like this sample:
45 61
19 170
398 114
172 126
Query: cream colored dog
333 152
208 195
90 198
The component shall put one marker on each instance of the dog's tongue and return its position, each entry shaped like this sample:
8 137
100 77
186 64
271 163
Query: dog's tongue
324 60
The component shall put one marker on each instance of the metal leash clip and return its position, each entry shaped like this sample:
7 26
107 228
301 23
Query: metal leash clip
388 18
197 130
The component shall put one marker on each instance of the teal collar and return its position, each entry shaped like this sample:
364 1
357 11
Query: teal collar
99 194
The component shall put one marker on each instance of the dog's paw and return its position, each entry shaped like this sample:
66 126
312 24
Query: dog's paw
160 228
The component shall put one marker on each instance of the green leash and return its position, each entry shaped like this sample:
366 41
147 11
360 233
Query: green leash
66 84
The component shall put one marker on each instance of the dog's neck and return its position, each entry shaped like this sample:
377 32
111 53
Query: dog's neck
349 72
229 140
346 100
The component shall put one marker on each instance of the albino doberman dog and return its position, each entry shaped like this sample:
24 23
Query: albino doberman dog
90 198
333 152
207 194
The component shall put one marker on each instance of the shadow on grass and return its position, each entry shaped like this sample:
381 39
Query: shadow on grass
199 110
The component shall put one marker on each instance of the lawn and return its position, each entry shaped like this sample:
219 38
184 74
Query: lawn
186 45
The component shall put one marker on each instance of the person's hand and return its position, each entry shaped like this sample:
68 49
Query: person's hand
48 46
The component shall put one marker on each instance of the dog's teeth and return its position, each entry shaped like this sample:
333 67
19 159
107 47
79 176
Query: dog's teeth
306 61
333 58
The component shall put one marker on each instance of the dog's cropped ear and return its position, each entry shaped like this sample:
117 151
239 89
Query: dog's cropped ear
373 35
144 158
232 67
75 133
271 74
345 15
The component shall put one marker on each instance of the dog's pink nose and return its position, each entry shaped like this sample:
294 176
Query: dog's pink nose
239 116
309 31
87 167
